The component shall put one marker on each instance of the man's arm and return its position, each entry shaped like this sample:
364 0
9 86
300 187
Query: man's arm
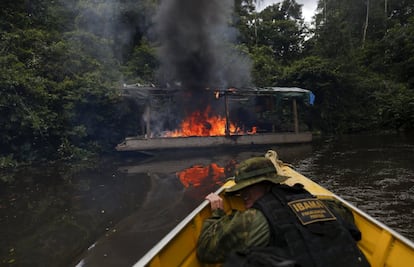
223 233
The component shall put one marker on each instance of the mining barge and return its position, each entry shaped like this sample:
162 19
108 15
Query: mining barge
230 117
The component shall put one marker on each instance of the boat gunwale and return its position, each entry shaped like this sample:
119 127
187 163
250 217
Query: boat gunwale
374 221
149 256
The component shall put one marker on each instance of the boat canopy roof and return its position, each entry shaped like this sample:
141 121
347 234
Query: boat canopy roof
279 92
141 92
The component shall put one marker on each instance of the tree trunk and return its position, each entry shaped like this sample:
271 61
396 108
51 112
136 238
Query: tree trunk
366 25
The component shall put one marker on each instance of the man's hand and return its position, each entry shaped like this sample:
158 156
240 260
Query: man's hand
216 202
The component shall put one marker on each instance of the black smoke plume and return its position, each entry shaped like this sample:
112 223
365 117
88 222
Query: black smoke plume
196 45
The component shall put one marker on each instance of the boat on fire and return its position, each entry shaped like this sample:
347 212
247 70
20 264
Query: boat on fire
232 117
381 245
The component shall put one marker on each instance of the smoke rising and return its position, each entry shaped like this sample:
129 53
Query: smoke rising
195 45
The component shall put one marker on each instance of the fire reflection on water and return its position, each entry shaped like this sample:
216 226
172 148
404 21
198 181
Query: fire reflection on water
199 179
199 174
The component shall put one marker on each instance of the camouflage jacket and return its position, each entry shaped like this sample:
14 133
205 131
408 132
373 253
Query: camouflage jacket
223 233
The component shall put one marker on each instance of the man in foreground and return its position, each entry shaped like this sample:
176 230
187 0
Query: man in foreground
281 226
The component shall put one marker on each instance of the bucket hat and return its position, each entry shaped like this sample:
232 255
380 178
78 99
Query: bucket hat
253 171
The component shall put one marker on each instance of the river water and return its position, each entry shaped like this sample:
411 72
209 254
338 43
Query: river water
112 213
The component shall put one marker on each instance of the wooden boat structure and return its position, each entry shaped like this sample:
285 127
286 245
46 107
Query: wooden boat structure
149 144
246 106
381 245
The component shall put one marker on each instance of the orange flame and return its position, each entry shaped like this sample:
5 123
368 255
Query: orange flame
205 124
198 175
253 131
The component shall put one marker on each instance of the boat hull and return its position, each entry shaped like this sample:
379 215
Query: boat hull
381 245
147 144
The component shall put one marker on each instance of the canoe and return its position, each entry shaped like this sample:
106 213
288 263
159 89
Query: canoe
381 245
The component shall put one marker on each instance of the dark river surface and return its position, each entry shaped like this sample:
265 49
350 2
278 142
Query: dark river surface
112 213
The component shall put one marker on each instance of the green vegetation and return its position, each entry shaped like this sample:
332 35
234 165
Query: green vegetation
62 63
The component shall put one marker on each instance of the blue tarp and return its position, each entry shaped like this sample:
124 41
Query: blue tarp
290 92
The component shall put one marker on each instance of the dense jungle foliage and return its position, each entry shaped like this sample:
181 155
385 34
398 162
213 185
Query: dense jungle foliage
63 62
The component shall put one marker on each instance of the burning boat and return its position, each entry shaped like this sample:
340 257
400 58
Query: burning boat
174 118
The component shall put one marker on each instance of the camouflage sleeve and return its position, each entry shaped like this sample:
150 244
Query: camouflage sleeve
223 233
